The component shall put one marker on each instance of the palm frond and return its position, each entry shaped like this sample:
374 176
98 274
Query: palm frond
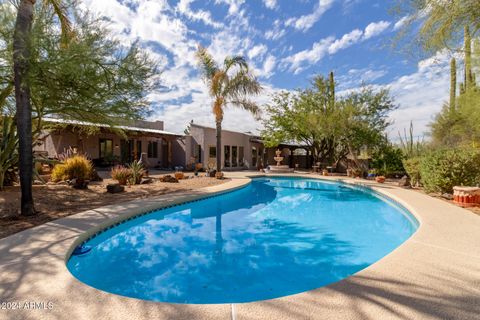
243 83
239 61
248 105
206 63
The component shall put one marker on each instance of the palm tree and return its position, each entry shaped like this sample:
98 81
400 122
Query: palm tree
21 68
228 85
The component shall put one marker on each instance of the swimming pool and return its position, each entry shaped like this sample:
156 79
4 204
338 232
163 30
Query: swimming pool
275 237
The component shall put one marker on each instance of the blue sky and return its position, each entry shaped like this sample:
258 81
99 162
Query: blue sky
286 42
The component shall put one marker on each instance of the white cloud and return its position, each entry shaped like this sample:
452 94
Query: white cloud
313 55
277 32
331 46
183 7
375 28
270 4
233 5
307 21
268 66
258 50
345 41
400 23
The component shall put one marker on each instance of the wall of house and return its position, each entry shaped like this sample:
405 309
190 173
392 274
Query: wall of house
55 143
206 138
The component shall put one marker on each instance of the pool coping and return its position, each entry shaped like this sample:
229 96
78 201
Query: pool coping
435 274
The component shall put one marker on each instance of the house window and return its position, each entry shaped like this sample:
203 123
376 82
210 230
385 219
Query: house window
241 155
212 152
106 148
254 156
227 156
234 156
153 149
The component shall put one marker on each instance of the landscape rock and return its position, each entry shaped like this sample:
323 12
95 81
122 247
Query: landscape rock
168 178
115 188
404 182
447 196
146 181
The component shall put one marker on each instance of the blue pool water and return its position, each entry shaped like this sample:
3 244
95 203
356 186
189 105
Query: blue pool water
275 237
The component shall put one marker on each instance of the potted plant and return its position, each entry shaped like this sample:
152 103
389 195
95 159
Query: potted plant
324 172
380 179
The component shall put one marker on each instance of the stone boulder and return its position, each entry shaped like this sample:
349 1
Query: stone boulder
115 188
404 181
169 179
146 180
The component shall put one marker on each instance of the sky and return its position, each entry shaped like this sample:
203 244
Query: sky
286 42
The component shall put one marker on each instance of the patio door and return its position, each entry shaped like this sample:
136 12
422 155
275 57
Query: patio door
126 151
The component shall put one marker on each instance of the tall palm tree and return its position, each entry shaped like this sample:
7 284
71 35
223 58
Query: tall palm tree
21 68
229 85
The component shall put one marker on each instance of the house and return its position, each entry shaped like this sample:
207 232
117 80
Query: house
107 146
239 150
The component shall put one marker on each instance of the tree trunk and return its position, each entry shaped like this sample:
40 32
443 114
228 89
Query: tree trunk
219 145
21 61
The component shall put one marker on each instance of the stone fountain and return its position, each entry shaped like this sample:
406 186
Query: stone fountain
279 168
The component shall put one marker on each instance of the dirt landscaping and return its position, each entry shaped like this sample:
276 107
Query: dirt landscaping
57 201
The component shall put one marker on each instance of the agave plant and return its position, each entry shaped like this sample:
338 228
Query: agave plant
137 170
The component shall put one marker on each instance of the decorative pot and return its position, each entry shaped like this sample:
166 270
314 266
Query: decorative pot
219 175
380 179
324 172
179 175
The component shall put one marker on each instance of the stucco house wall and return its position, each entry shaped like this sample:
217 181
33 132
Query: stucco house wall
57 141
203 138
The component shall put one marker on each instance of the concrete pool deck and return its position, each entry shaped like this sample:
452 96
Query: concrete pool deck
433 275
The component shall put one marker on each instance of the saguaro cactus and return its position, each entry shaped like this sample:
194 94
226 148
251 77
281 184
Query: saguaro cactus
468 59
332 90
453 83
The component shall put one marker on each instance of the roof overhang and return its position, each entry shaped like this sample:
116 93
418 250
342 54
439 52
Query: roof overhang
100 125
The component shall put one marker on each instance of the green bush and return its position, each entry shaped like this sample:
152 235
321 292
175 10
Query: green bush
412 167
387 161
77 167
441 170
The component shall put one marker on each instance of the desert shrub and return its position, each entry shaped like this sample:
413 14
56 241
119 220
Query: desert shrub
121 174
387 161
77 167
441 170
412 167
137 170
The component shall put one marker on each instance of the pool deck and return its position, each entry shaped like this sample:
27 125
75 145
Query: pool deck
433 275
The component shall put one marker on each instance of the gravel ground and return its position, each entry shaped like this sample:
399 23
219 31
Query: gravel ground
57 201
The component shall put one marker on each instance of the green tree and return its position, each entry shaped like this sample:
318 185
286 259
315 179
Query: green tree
331 130
229 84
89 77
22 50
308 117
441 22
